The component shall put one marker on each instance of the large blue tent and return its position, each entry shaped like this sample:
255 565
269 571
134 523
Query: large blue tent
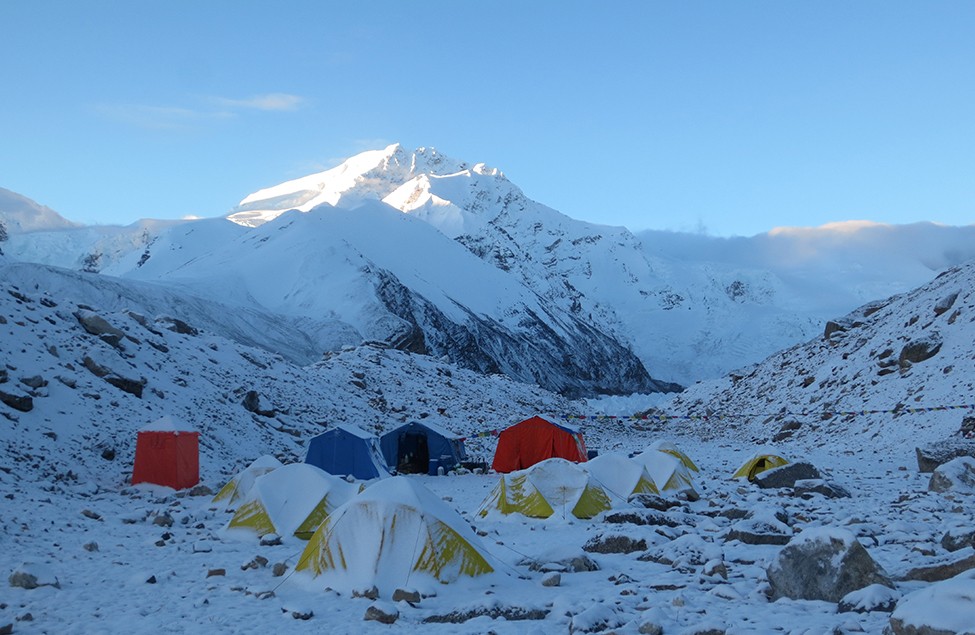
421 448
347 451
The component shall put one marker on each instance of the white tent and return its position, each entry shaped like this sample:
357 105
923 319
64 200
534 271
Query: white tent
620 476
238 487
667 471
553 487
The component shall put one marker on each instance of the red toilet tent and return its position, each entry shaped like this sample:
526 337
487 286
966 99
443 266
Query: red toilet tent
167 454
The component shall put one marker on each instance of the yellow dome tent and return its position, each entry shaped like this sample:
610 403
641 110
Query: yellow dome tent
553 486
668 472
395 533
670 448
758 463
620 476
292 500
238 487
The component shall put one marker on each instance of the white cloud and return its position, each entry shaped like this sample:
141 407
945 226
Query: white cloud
268 102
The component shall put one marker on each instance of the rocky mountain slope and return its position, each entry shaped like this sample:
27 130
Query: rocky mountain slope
888 376
80 374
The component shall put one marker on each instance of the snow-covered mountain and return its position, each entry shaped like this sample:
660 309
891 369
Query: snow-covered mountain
398 280
20 214
688 306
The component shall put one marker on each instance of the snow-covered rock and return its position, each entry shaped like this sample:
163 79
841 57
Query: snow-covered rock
943 608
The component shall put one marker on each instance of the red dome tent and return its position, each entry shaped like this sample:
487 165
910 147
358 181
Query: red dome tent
533 440
167 454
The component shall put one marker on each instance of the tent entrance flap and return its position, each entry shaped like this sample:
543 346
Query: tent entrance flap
413 454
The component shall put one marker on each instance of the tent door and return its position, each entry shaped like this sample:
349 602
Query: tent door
413 454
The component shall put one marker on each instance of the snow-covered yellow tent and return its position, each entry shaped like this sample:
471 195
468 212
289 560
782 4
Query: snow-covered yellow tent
759 462
395 533
670 448
554 486
620 476
238 487
668 472
291 500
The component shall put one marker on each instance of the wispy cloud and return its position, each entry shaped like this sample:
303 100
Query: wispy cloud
159 117
268 101
166 117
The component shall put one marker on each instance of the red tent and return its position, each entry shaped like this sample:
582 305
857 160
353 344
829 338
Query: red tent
525 444
167 455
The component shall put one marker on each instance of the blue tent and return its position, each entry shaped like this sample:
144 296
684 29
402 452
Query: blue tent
347 450
420 448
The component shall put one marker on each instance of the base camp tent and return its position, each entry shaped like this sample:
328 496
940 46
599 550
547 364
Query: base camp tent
292 500
238 487
394 534
167 453
551 487
620 476
759 462
347 451
526 443
670 448
668 472
421 448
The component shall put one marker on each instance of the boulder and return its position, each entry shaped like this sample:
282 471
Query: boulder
875 597
823 564
411 596
382 612
934 454
948 568
760 531
943 608
614 543
99 326
31 575
955 539
956 475
920 349
652 501
22 403
805 488
176 325
787 475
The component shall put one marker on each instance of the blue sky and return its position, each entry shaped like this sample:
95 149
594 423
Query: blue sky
726 117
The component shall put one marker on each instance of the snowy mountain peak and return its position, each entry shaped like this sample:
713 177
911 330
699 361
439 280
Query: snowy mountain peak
366 176
19 214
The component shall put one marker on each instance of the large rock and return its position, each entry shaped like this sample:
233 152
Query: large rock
823 564
22 403
31 575
934 454
99 326
943 608
947 568
919 350
956 475
787 475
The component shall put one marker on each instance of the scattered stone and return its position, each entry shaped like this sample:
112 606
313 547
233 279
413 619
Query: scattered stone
99 326
26 617
87 513
200 490
163 520
176 326
382 612
934 454
875 597
652 501
650 628
640 517
22 403
270 540
259 562
151 580
596 618
552 579
70 382
202 546
956 539
108 454
823 564
787 475
306 615
943 570
759 532
279 569
805 488
34 381
31 575
509 613
372 593
406 595
91 546
956 475
572 564
216 572
614 543
7 629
